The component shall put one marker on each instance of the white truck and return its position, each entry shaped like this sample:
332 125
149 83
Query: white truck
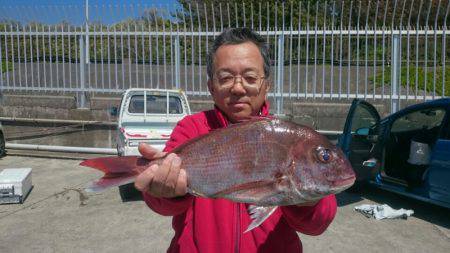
147 115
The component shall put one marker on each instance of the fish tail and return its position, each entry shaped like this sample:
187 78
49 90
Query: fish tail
105 183
118 170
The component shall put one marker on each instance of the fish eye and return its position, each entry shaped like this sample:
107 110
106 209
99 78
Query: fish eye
323 154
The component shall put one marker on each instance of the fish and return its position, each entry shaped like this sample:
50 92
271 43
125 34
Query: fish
266 162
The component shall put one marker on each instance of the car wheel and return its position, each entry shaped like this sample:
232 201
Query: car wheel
2 145
129 193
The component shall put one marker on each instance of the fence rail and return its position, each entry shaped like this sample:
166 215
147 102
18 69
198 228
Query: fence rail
263 33
395 50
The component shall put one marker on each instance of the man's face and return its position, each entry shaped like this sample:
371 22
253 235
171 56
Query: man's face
238 87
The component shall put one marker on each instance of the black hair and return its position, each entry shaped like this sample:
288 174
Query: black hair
233 36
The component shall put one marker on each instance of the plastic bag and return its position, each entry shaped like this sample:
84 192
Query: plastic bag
384 211
419 153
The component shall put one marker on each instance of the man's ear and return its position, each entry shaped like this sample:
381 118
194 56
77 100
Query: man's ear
210 86
267 88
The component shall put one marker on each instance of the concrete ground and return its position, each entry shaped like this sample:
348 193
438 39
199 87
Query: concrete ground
59 217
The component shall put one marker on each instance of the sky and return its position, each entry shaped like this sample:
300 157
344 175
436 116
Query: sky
54 11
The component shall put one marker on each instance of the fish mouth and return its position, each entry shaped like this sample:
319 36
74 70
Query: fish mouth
344 183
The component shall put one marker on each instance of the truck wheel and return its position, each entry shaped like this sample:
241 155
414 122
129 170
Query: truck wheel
118 152
2 145
129 193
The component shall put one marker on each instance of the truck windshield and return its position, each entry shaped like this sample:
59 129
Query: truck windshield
155 104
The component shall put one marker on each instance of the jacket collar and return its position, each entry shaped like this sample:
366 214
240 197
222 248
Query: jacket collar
223 120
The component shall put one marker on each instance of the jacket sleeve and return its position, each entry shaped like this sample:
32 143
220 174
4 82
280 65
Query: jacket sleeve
185 130
311 220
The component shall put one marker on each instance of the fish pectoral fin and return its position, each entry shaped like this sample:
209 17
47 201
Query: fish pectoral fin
194 193
259 214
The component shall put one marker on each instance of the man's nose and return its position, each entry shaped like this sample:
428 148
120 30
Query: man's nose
238 86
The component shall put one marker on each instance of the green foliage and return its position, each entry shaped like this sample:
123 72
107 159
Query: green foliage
418 74
6 66
202 15
345 13
238 13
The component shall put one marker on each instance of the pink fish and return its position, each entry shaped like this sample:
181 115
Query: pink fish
266 162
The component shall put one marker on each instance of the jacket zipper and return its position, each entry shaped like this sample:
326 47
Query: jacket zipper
238 227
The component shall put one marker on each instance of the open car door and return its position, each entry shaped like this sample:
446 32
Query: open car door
359 139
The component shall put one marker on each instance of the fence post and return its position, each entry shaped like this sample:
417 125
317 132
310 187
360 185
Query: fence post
395 72
177 62
280 76
81 94
1 75
87 31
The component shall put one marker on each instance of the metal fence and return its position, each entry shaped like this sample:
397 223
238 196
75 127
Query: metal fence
378 49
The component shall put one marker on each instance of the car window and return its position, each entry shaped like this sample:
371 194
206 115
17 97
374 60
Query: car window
363 118
156 104
423 119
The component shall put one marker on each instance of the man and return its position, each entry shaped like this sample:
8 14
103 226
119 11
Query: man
238 68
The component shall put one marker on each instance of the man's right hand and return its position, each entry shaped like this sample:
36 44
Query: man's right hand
166 180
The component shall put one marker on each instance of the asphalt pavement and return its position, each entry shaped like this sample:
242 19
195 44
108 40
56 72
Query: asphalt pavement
58 216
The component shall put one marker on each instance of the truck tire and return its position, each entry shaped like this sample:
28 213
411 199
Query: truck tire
118 151
2 145
129 193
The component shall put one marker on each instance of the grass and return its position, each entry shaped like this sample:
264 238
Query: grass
421 74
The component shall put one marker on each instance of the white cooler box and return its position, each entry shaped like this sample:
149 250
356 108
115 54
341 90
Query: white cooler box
15 184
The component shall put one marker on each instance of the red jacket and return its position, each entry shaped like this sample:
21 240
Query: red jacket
218 225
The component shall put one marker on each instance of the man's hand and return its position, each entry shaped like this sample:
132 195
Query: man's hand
167 180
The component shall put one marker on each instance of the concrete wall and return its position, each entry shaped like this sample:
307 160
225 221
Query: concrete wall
56 107
320 114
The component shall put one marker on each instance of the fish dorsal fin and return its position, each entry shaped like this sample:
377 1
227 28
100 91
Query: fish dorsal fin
255 118
259 214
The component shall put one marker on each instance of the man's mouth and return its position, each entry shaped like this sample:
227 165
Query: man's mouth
238 105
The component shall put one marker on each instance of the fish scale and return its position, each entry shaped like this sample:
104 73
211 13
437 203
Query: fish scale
219 166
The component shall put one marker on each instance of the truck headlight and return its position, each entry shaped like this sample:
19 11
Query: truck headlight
133 143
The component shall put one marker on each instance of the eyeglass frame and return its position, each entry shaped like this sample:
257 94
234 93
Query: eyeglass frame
244 84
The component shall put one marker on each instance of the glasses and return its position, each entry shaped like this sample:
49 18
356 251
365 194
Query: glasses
250 82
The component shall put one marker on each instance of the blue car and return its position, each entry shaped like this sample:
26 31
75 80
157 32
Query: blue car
407 152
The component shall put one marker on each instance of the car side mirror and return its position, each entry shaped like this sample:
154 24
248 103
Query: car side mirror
113 111
362 131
